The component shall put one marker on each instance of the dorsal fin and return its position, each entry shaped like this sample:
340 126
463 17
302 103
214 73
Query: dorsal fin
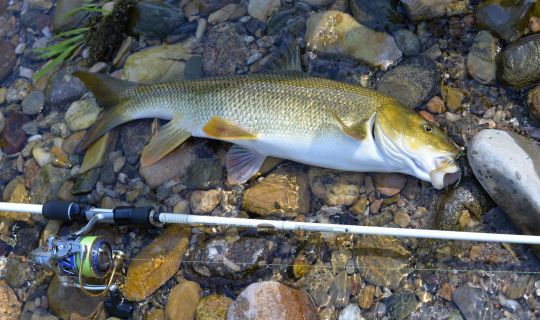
106 89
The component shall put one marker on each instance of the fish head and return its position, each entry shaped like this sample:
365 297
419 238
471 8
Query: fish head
416 145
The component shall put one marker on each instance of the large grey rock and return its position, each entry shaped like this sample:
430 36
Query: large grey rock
473 303
519 63
508 167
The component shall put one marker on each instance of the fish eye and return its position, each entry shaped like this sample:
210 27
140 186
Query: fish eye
428 128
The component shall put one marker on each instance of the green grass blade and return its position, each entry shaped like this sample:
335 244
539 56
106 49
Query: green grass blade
54 62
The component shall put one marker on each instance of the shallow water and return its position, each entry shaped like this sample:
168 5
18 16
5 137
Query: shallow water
231 273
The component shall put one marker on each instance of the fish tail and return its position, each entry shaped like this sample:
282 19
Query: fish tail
108 92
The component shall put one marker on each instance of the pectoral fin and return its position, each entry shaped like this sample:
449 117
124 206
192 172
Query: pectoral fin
242 164
166 140
220 128
356 130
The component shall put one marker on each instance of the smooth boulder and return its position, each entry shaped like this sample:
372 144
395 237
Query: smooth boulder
508 167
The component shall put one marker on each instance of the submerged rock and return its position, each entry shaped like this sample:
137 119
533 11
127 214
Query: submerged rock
350 312
481 60
64 88
47 183
13 136
7 59
82 114
519 63
271 300
333 187
163 63
337 32
71 303
173 165
262 9
401 305
413 81
508 167
156 263
10 307
382 260
33 103
407 42
283 193
213 307
506 18
63 22
50 151
429 9
473 303
231 259
533 100
183 299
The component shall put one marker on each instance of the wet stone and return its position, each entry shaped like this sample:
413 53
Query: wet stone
262 9
10 307
70 302
155 20
350 312
82 114
17 272
340 290
481 60
472 302
204 201
63 22
413 81
389 184
204 173
283 193
519 63
173 165
13 137
429 9
156 263
231 259
183 299
507 19
134 136
64 88
365 297
33 103
206 7
286 21
271 300
407 42
401 305
515 289
225 52
194 67
213 307
376 15
18 90
323 34
28 240
335 187
47 183
7 59
533 101
86 182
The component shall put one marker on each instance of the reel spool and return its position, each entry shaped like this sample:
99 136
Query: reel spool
77 257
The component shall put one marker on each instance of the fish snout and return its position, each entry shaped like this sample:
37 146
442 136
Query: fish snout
445 173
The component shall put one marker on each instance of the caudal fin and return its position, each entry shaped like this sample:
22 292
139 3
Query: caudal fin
108 93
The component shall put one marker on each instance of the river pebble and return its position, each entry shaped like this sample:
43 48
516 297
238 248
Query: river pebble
33 103
519 63
481 60
183 299
472 302
213 307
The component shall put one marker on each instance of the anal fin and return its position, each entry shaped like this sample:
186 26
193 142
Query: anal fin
242 164
220 128
166 140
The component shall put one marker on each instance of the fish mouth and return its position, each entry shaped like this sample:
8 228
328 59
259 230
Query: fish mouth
445 174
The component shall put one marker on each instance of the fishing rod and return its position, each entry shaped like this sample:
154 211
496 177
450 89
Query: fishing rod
79 256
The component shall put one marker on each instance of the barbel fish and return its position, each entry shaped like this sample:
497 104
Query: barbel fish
288 115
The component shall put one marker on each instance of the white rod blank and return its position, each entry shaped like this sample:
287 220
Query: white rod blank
337 228
176 218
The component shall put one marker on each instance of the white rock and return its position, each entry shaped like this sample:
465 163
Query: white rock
508 167
350 312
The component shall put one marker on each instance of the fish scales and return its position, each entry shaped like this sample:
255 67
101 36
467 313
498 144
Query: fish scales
262 104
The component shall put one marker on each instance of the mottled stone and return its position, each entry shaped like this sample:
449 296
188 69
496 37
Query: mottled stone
134 136
271 300
283 193
225 52
204 201
155 20
13 137
413 81
33 102
203 174
63 22
213 307
350 312
505 18
365 297
82 114
337 32
533 100
173 165
64 88
429 9
389 184
156 263
231 259
183 299
335 187
47 183
86 182
375 14
7 59
262 9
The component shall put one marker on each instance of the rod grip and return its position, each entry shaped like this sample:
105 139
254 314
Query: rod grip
132 215
62 210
